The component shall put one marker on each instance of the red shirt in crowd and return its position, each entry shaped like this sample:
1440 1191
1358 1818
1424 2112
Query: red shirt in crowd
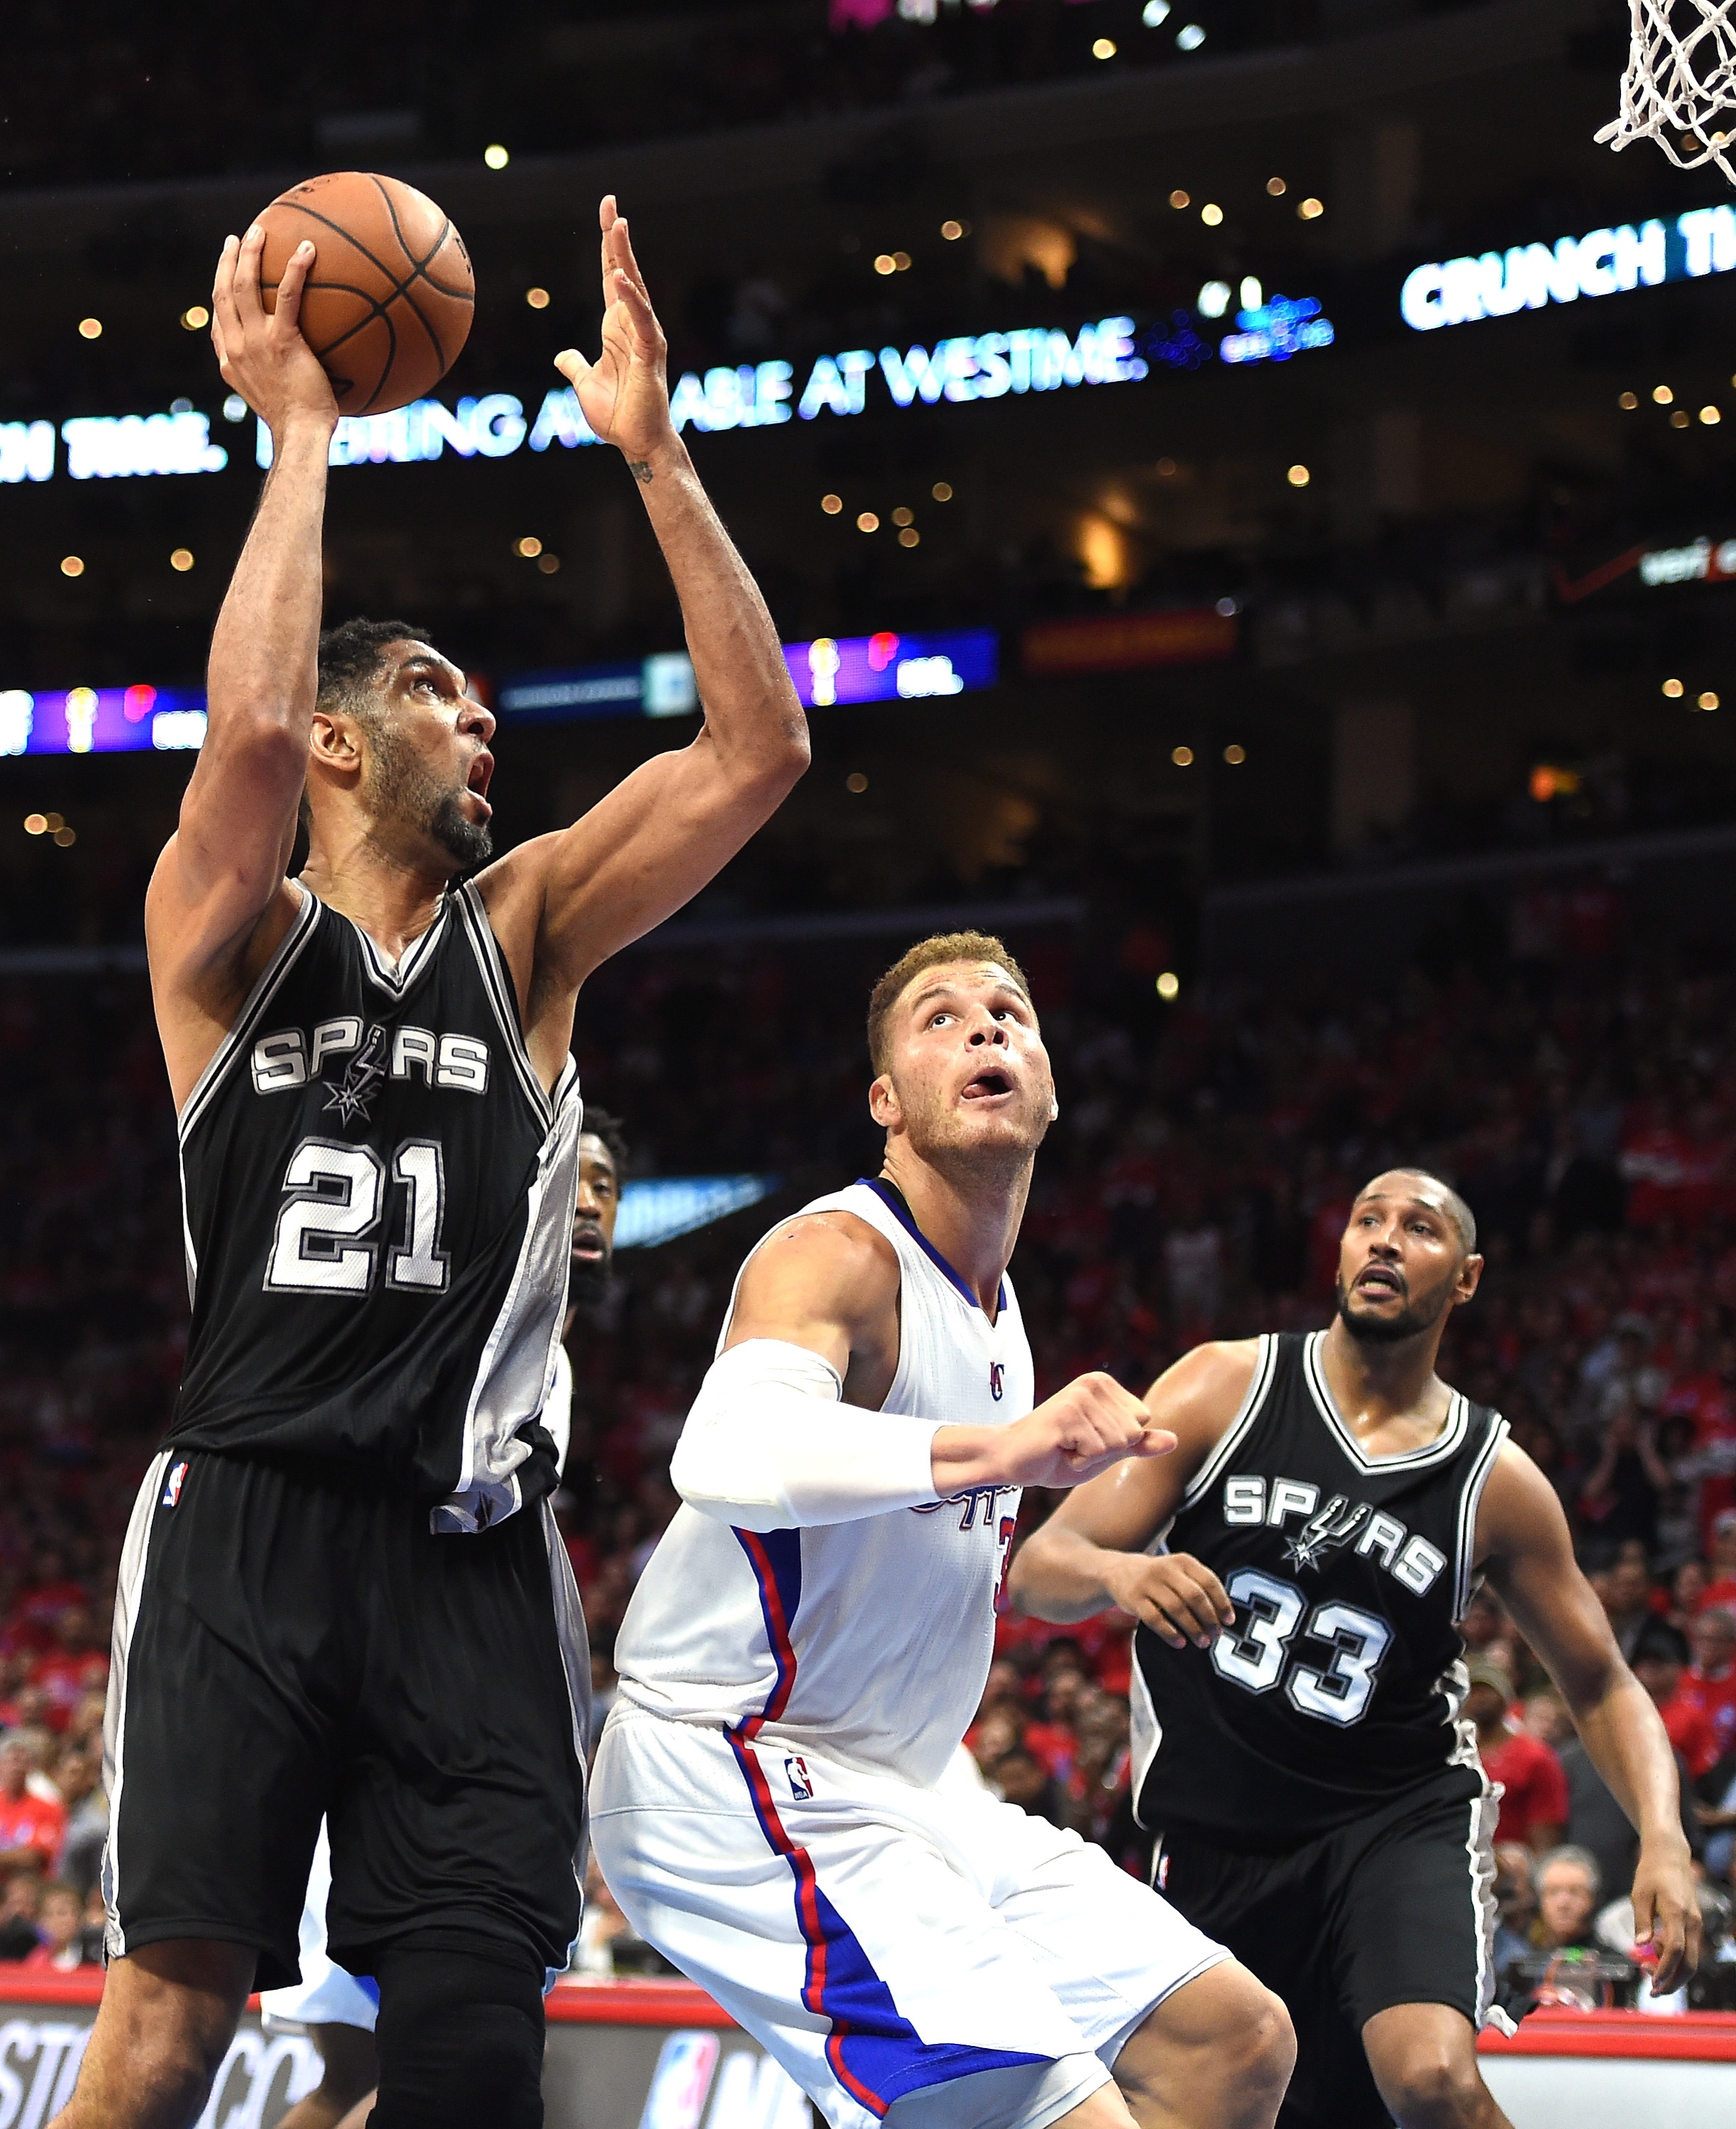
66 1678
32 1821
1690 1731
1721 1591
1536 1789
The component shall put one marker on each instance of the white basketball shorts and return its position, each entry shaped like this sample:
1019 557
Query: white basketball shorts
932 1950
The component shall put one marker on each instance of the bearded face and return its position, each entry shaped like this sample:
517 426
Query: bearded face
405 788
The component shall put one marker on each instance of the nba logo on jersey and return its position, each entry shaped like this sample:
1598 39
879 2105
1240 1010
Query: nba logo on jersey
681 2083
997 1379
177 1479
801 1781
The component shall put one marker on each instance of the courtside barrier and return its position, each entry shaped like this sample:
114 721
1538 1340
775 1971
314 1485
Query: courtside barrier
660 2054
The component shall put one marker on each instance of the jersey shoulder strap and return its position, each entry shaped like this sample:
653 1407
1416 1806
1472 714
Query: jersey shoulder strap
1273 1349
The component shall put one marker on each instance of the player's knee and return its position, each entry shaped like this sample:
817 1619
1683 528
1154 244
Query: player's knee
1437 2088
460 2041
1234 2027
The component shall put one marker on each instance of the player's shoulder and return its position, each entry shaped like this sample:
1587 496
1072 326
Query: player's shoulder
825 1245
1200 1393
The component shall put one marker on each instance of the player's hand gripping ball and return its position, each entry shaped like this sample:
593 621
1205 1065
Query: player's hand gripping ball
389 302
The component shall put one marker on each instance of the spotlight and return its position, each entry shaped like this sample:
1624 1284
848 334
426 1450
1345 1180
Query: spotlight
1235 755
867 522
952 230
903 516
195 317
1169 987
1104 49
495 156
1673 689
180 561
548 564
1661 394
1627 402
72 565
909 537
1276 187
90 329
855 782
1310 210
537 298
1299 476
941 491
1182 756
884 263
1211 214
831 504
530 547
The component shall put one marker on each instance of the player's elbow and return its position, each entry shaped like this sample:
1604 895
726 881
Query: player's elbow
709 1484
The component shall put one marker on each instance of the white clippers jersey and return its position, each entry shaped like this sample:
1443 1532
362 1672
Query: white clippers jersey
867 1641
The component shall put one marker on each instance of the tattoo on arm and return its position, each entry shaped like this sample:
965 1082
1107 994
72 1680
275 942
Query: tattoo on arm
640 471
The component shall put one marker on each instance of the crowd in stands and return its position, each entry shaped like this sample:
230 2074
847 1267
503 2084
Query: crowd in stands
1196 1186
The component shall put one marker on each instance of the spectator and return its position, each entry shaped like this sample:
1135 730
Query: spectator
32 1828
1621 1496
1628 1600
61 1927
77 1665
1021 1778
1515 1903
1534 1807
76 1776
1546 1716
1568 1881
1710 1683
1660 1658
18 1909
1720 1588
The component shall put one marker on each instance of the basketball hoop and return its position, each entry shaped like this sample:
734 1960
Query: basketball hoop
1680 89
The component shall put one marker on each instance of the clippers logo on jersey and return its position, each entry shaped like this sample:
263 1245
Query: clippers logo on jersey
801 1781
354 1094
1412 1561
177 1479
997 1380
1336 1524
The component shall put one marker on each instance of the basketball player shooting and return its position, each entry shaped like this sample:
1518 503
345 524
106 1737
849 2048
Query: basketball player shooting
777 1803
1317 1802
341 1591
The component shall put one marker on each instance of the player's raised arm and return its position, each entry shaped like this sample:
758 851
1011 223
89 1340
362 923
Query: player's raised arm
1526 1549
1090 1555
771 1444
224 867
670 828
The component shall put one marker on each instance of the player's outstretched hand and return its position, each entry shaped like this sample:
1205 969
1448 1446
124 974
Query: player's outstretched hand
1178 1597
261 353
624 393
1082 1429
1666 1915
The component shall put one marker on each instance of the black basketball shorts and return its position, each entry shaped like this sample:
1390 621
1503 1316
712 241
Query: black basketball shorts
291 1641
1397 1907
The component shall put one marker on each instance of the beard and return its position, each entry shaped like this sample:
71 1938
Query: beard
1413 1319
402 786
587 1285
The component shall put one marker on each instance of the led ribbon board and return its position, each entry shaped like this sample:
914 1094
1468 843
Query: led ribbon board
889 667
1604 262
137 720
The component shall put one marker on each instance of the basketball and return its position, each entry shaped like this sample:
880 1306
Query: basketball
388 303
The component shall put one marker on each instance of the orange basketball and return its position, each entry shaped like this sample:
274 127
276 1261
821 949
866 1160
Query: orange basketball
389 302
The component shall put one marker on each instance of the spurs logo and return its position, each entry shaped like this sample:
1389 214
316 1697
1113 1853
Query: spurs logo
354 1094
1335 1526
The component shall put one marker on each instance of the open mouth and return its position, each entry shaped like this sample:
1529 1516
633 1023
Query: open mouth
1378 1279
481 770
588 1246
987 1084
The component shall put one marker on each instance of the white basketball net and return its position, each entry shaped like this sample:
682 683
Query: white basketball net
1680 89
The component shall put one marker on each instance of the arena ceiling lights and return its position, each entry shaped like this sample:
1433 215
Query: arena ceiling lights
1604 262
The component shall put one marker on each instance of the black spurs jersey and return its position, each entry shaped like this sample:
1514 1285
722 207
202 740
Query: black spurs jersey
1339 1686
378 1201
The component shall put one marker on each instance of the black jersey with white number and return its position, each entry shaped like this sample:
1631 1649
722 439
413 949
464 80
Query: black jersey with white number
378 1201
1340 1684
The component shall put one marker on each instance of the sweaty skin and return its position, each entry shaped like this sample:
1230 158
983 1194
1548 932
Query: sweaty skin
1402 1262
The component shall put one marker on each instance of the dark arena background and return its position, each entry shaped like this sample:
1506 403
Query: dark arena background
1244 488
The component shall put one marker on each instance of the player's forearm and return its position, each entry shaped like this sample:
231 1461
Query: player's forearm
264 649
752 714
1063 1576
1630 1748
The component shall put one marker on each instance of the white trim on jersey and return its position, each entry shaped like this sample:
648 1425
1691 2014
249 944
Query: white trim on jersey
288 952
1265 1361
134 1553
396 977
1145 1736
497 982
1476 1479
1479 1851
517 1369
1450 1439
